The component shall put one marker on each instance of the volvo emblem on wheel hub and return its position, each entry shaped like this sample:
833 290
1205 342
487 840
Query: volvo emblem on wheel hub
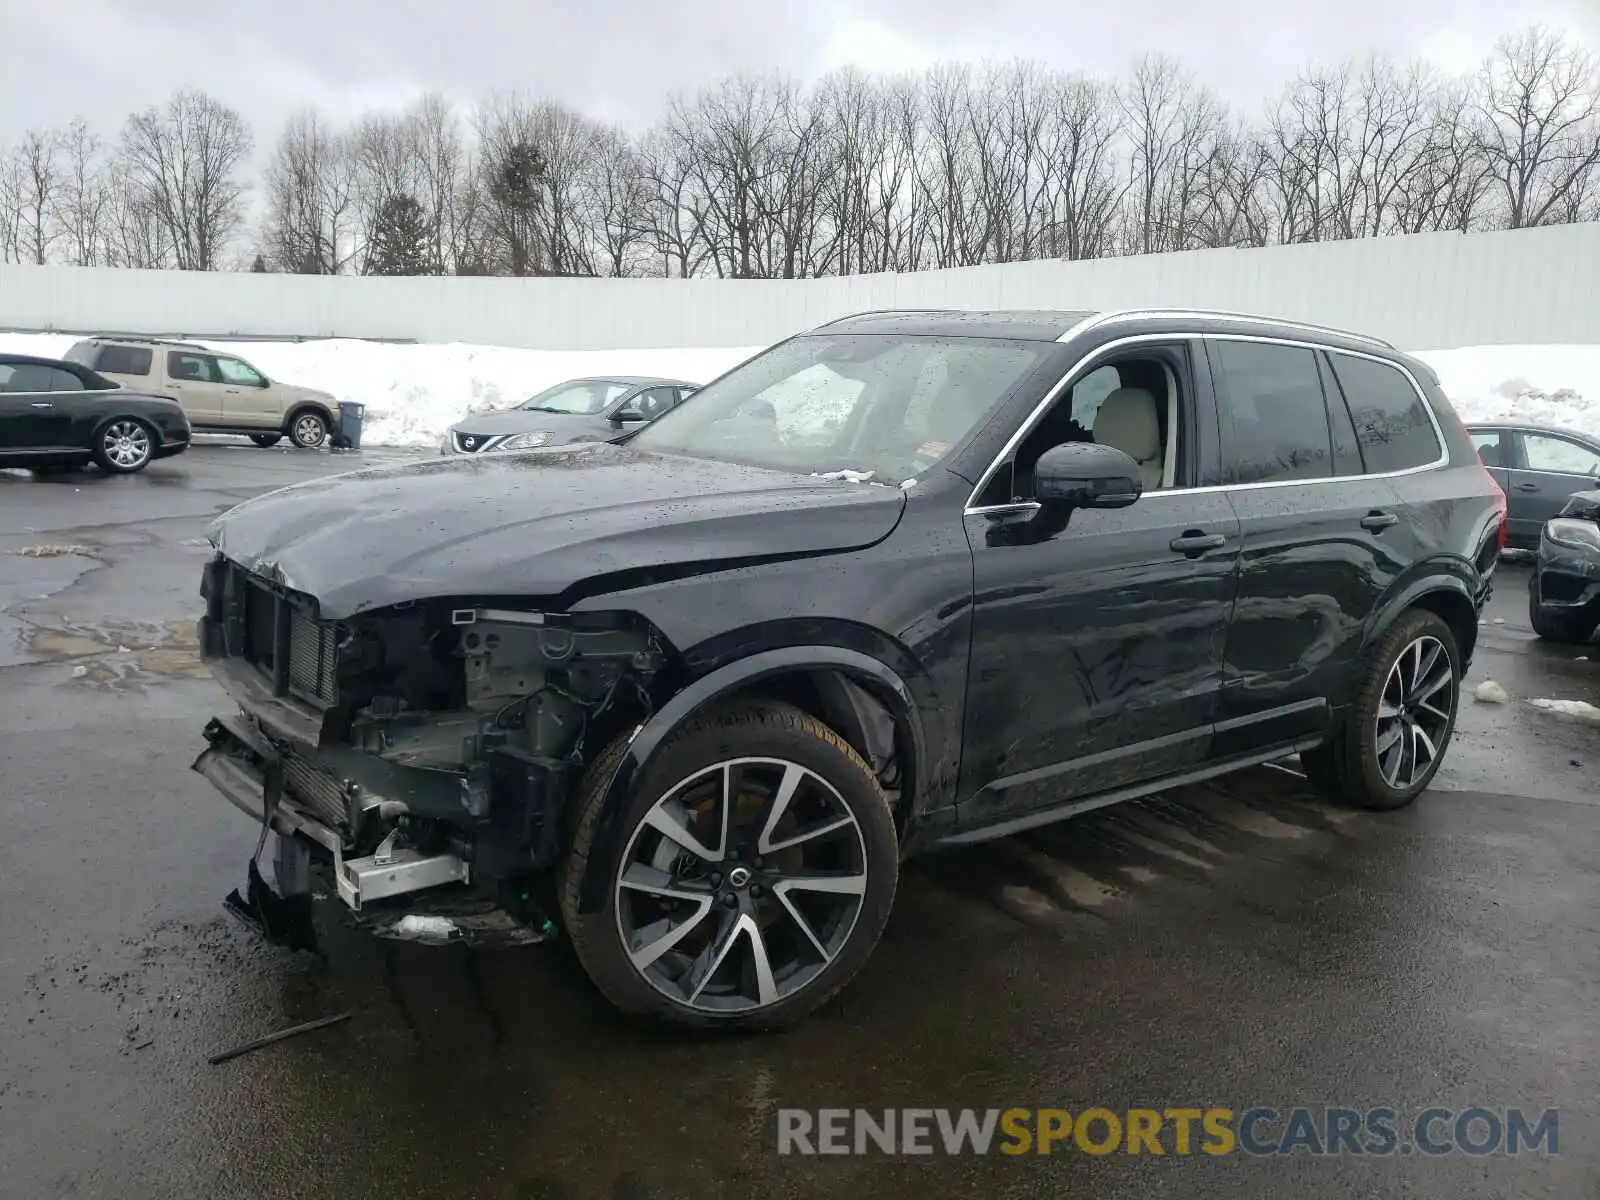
739 877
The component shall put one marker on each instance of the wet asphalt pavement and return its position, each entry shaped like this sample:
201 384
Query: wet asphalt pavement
1227 946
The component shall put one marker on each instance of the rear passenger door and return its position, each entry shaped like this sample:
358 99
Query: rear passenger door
1494 447
1315 535
193 381
1545 471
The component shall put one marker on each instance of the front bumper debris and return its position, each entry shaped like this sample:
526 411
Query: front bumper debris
395 892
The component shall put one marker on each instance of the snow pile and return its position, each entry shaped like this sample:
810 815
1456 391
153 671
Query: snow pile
413 393
1548 385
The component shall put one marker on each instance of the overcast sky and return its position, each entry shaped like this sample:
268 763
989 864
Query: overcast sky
102 58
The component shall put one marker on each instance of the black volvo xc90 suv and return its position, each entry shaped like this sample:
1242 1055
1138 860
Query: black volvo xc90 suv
905 581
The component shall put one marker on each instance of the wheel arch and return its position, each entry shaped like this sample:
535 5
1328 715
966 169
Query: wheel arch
299 406
1447 596
852 691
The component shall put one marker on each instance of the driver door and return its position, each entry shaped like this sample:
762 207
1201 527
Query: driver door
1097 651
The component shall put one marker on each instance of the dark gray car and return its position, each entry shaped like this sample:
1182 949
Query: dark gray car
1538 467
580 410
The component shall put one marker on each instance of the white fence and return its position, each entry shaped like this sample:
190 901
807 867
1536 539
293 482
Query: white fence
1426 291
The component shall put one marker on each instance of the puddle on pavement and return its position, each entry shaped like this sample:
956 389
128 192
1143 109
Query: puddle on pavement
124 656
1095 866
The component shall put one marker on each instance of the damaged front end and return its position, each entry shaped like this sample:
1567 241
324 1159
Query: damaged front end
421 758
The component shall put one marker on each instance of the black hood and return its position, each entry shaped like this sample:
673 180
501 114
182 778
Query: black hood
538 523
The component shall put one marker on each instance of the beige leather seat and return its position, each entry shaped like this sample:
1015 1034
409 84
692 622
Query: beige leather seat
1128 419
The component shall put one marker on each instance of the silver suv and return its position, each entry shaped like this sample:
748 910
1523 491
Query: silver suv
221 393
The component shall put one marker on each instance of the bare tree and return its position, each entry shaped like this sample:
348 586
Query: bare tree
1539 100
10 205
185 161
1172 124
311 198
85 202
38 160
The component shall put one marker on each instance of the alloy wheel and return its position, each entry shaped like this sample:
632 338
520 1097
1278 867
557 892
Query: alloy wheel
1415 712
741 885
309 431
126 444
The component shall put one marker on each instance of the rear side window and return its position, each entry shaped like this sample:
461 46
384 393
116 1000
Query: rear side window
198 367
64 381
1271 401
1487 443
26 377
1391 419
81 353
122 360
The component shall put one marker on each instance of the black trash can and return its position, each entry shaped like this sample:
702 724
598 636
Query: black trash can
348 435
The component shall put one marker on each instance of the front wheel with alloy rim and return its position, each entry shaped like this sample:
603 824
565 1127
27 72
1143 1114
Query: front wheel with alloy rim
753 877
124 445
308 430
1395 737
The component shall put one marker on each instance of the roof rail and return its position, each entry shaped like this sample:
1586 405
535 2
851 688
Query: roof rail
1150 314
142 340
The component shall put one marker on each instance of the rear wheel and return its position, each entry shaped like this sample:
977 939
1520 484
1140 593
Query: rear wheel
756 870
124 445
308 429
1391 745
1569 628
266 439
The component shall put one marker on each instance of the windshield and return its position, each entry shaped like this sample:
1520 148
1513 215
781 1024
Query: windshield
883 407
581 396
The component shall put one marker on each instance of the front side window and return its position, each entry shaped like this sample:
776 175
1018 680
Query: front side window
886 406
652 402
194 368
1559 456
1271 401
1391 419
233 370
581 397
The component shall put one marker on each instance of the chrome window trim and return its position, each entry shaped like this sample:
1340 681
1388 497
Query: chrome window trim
1079 368
1190 314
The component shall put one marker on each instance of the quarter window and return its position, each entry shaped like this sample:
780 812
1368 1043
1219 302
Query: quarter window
64 381
123 360
1559 456
1272 405
1391 419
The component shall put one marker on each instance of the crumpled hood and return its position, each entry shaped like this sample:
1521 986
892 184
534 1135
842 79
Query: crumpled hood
535 524
1582 505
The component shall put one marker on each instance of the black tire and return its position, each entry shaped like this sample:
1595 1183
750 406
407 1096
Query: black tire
308 429
124 445
265 440
743 731
1564 627
1348 768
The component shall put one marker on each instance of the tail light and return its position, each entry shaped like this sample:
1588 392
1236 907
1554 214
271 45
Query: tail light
1500 495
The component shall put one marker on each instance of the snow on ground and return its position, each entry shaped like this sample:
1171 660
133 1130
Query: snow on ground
413 393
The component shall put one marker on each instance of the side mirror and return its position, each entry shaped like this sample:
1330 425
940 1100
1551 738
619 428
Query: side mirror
627 413
1085 475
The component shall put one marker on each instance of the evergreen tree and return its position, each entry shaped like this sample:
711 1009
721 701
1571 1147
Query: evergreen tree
399 239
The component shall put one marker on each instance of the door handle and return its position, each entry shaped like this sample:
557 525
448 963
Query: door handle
1379 521
41 404
1194 543
1527 487
232 391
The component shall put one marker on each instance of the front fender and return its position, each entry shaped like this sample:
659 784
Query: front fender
704 692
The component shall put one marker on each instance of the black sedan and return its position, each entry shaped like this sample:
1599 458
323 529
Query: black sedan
1564 592
56 415
1537 467
579 410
